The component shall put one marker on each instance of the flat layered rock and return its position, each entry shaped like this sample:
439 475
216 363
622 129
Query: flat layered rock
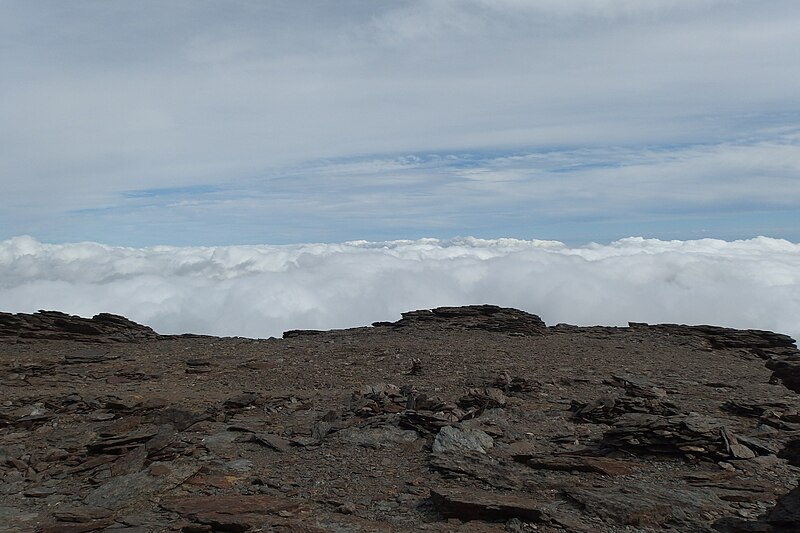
233 513
474 504
645 505
130 489
484 317
479 466
577 463
54 325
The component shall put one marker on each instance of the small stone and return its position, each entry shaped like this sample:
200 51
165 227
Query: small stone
740 451
277 443
320 430
346 508
515 525
242 400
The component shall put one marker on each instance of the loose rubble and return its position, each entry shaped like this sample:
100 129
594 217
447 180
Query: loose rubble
467 419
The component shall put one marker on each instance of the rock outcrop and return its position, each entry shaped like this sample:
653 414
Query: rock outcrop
483 317
54 325
780 351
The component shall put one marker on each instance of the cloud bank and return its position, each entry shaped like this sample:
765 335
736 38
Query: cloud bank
260 291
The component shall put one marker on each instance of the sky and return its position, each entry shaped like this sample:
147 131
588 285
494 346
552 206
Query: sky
200 123
242 167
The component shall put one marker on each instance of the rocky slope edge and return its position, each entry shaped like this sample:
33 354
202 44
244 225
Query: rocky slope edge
467 419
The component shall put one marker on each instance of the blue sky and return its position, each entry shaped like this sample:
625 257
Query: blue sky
214 123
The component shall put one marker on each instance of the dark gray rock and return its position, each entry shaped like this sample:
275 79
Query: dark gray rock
486 317
377 438
482 467
786 513
646 505
608 409
688 434
121 491
54 325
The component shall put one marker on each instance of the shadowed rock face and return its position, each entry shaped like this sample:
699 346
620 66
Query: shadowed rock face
54 325
466 419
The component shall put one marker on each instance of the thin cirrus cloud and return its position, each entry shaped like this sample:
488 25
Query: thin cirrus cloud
491 193
248 122
258 291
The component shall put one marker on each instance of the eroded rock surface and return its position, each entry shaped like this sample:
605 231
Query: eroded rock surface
472 419
54 325
484 317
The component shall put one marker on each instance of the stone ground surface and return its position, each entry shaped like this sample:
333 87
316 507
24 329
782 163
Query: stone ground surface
472 419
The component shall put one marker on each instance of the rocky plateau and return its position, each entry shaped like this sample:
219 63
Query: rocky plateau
462 419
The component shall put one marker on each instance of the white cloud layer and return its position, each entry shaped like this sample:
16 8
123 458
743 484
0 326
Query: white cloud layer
260 291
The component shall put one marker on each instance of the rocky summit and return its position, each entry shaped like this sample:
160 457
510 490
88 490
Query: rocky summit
463 419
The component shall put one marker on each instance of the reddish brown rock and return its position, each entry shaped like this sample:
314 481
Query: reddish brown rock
83 527
577 463
475 504
233 513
